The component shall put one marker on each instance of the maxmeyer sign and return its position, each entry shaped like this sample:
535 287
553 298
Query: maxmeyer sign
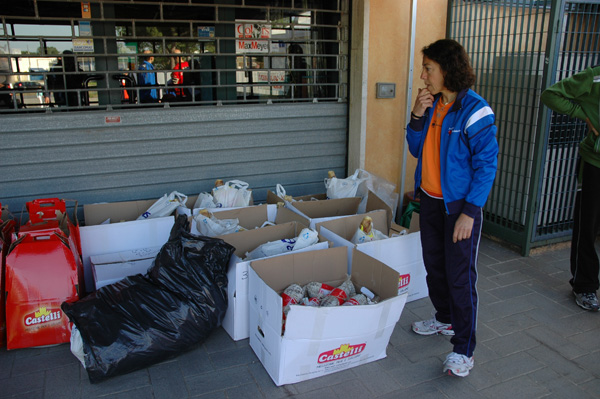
252 37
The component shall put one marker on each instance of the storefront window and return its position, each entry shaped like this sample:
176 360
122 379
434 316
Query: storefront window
128 53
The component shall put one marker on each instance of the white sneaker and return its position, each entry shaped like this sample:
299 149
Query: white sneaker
432 326
458 365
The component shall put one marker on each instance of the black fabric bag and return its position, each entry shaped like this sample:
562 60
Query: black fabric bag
145 319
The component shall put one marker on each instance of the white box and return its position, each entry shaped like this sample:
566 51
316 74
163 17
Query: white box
110 268
320 340
402 253
98 239
235 321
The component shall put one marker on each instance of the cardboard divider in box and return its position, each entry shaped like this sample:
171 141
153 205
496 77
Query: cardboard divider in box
273 198
235 321
320 340
313 212
110 268
402 253
112 227
249 217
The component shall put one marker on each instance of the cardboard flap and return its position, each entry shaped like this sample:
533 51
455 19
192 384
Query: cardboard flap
375 275
375 203
414 223
273 198
285 215
248 217
346 227
95 214
328 208
245 241
324 265
126 256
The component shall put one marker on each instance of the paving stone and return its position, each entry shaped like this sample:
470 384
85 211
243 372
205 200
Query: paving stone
195 362
422 391
550 338
512 366
569 369
352 390
219 380
63 381
511 324
510 277
233 357
592 387
43 361
510 291
512 343
427 369
114 385
325 381
590 361
521 387
248 391
266 384
375 379
167 381
456 387
23 384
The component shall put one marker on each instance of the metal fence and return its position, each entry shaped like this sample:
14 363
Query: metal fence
518 48
86 55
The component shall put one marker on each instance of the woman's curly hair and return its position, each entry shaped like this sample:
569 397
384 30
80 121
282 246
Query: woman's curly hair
454 61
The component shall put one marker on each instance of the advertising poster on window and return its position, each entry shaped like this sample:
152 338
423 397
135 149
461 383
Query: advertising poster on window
252 37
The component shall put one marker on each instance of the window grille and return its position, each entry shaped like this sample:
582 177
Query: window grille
66 56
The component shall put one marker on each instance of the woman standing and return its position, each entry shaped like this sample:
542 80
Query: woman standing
453 136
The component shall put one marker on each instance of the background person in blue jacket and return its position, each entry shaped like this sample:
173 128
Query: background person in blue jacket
147 79
453 136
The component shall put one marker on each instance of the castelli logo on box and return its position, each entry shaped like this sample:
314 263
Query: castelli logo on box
403 282
42 316
344 351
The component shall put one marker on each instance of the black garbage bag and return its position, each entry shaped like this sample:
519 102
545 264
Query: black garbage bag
145 319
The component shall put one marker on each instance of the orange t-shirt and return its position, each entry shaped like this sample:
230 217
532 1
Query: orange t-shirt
431 181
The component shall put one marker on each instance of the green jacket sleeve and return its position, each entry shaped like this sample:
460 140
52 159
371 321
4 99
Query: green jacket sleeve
563 96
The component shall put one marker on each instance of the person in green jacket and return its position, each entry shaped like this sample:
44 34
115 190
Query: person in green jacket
579 97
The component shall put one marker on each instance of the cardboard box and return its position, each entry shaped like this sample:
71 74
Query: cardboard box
249 217
235 321
110 268
313 212
124 234
402 253
320 340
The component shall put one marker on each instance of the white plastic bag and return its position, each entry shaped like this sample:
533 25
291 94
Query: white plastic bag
366 232
205 200
165 206
280 191
210 226
343 188
271 248
306 238
77 345
361 236
232 194
384 189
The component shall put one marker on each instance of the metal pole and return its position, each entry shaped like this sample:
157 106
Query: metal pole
409 88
